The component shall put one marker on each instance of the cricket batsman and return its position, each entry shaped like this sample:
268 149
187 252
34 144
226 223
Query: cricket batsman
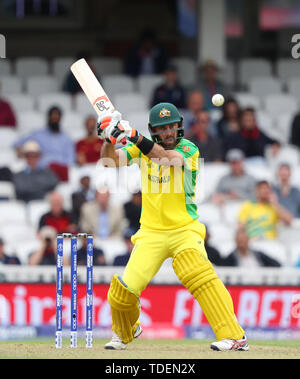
169 165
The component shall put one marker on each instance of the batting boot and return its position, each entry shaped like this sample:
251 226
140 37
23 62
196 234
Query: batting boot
227 345
117 344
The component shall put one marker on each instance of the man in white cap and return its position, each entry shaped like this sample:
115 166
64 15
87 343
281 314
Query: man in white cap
35 181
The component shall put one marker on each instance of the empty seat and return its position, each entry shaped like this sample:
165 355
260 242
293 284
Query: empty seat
59 99
283 124
35 210
7 137
5 67
287 154
19 232
82 105
7 191
21 102
13 212
30 121
116 84
40 85
107 66
249 68
286 68
246 99
111 247
60 68
264 86
73 121
293 86
187 70
139 120
276 104
272 248
264 121
230 212
146 85
209 213
31 66
130 102
212 173
11 85
221 232
227 74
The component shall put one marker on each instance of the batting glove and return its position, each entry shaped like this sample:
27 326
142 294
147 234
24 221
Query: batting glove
106 123
123 128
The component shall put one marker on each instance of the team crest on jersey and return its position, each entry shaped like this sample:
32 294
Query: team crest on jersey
164 113
186 148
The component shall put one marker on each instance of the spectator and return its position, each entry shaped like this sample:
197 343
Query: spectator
7 116
98 255
213 254
122 260
57 147
195 104
7 259
46 253
101 217
229 123
70 84
34 182
237 185
171 91
85 193
288 195
249 139
132 210
88 149
295 131
146 57
244 256
209 84
5 174
57 217
261 216
210 147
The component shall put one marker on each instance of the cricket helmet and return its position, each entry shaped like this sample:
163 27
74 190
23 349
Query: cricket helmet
163 114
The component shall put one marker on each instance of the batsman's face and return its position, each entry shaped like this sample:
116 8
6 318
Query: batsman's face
168 135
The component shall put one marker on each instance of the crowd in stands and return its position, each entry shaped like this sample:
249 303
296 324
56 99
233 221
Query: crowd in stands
233 139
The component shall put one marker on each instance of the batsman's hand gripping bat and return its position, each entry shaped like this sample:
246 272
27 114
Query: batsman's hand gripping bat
92 88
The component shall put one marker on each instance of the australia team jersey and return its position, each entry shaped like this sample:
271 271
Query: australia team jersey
167 192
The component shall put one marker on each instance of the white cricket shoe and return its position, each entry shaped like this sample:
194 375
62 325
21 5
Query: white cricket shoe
227 345
117 344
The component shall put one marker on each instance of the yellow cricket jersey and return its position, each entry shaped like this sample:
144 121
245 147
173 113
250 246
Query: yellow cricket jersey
259 219
167 192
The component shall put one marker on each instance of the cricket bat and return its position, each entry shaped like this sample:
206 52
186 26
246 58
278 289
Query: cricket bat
92 88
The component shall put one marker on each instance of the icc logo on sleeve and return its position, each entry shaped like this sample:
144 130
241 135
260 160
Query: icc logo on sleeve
2 46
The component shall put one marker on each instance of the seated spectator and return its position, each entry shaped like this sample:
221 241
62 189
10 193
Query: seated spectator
122 260
57 147
98 255
46 253
213 254
244 256
147 56
7 116
7 259
229 122
210 148
237 185
85 193
249 139
195 104
171 91
57 217
5 174
102 217
260 217
295 131
34 182
89 148
132 210
209 84
71 84
287 195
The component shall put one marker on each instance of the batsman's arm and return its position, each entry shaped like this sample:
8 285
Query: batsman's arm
165 157
111 157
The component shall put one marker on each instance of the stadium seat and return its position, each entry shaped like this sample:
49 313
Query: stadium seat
73 121
273 248
82 105
227 74
19 232
287 68
8 136
5 67
260 171
230 212
264 85
209 176
107 66
7 190
31 66
246 99
146 85
283 124
35 210
60 68
65 190
21 102
111 247
130 102
294 254
7 156
276 104
30 121
249 68
287 154
116 84
264 121
221 232
187 70
12 212
59 99
293 87
209 213
11 85
24 249
224 247
40 85
139 120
